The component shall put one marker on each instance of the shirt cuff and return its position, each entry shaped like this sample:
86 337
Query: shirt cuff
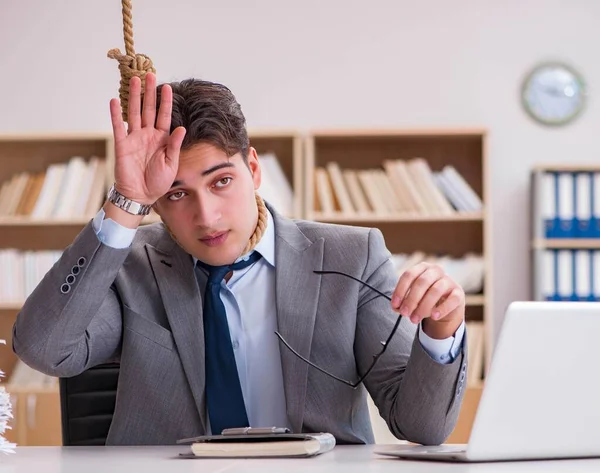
111 233
443 351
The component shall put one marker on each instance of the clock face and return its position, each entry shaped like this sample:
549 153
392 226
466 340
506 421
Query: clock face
553 94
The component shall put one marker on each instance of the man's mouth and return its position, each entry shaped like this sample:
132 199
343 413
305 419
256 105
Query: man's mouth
214 239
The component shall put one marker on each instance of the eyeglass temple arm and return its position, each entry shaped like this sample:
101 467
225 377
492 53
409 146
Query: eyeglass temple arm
312 364
357 280
385 345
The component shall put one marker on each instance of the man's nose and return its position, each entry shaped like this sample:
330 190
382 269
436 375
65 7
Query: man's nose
206 212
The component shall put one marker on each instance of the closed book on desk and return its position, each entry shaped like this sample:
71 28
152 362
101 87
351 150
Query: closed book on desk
259 445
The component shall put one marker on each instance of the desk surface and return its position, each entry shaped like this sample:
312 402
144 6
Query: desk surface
343 459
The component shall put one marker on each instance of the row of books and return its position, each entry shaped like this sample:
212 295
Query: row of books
566 204
22 271
468 271
408 187
67 190
76 188
570 275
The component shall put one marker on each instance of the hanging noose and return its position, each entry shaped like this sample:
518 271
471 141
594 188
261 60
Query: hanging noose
130 63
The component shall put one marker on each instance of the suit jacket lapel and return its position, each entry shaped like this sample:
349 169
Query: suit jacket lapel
183 304
297 289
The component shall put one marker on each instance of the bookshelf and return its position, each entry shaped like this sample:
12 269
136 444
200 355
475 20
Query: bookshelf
298 156
28 226
565 232
342 163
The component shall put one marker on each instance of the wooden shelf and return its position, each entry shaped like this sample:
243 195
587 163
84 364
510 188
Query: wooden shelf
474 299
17 389
30 222
393 133
395 218
567 243
298 153
10 306
567 168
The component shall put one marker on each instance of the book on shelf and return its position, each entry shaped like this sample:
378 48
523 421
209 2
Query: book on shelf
475 351
398 187
468 271
63 191
566 204
21 271
275 188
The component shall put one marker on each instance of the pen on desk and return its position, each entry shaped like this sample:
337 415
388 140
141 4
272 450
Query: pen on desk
255 430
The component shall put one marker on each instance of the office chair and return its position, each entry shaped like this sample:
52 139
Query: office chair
87 403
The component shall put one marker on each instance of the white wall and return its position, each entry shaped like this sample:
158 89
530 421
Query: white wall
319 63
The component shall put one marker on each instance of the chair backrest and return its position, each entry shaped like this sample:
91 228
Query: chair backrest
87 403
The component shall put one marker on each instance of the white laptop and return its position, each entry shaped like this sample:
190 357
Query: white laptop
541 397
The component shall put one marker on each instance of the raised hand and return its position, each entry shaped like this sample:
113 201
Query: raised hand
425 293
146 154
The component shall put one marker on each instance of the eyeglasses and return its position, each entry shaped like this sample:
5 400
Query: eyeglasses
375 357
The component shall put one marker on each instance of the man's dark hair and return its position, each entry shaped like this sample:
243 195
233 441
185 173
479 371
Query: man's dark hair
210 113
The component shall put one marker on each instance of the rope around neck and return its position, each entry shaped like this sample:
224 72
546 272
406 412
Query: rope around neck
130 63
261 225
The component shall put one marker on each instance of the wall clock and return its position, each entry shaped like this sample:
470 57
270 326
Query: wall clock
553 93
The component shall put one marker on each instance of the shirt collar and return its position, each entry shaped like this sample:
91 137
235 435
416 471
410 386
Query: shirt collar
265 246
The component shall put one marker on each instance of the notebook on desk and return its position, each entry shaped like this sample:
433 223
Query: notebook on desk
258 443
541 398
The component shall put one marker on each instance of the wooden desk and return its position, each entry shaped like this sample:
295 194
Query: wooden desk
343 459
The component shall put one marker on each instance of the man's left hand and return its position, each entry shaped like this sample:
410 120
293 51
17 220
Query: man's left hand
426 293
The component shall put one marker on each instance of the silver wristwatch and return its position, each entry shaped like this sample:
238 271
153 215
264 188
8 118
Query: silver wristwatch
128 205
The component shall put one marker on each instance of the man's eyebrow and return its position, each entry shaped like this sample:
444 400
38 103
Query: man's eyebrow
207 172
217 167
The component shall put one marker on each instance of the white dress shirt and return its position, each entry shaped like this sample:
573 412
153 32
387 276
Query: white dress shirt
252 320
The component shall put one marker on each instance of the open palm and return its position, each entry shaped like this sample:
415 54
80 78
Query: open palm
146 155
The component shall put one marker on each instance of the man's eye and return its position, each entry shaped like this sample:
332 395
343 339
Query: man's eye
176 196
223 182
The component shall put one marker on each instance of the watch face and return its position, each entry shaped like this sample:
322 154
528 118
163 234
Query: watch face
553 94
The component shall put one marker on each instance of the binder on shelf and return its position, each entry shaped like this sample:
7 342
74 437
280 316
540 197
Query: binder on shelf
582 197
545 204
595 207
565 197
570 275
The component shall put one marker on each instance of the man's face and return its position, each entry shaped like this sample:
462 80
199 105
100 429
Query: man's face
211 207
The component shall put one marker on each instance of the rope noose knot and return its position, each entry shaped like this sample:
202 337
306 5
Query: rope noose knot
130 63
130 66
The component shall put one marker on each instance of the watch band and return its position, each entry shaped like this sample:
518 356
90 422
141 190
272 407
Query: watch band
128 205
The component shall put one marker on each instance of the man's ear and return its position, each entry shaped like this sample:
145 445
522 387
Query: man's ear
254 166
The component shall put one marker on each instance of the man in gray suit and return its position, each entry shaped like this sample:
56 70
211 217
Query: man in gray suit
195 337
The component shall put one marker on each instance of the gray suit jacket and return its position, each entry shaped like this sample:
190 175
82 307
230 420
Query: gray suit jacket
142 306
